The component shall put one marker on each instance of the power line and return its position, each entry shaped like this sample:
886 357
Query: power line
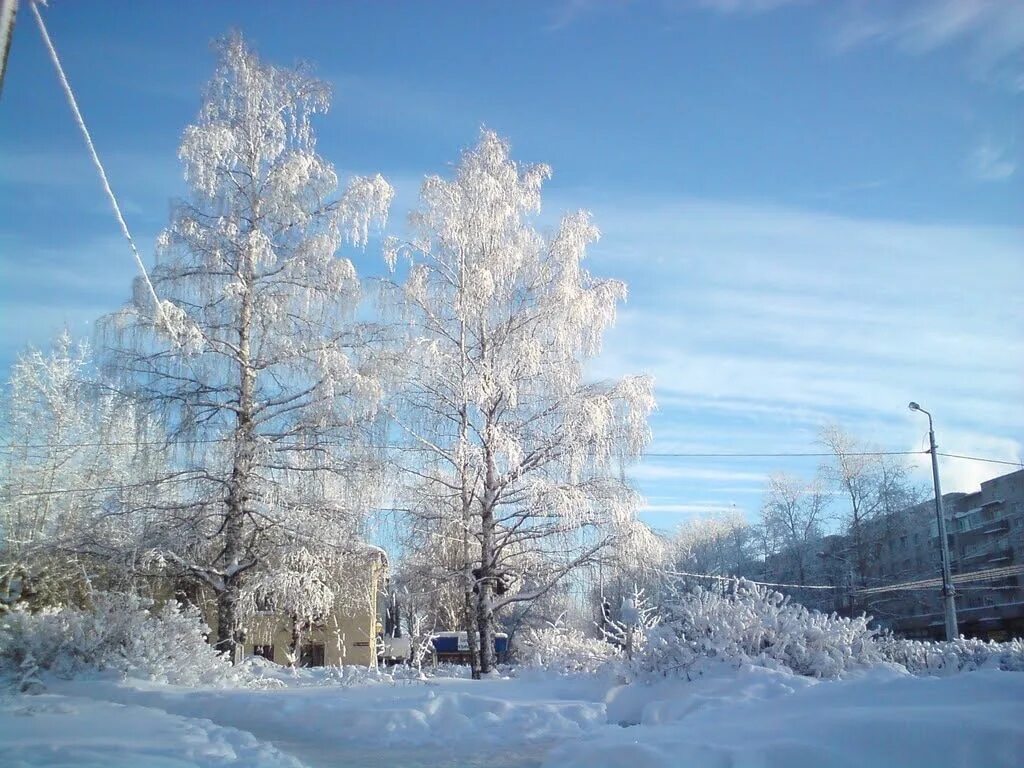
100 488
749 581
651 455
73 103
978 458
778 455
990 574
11 447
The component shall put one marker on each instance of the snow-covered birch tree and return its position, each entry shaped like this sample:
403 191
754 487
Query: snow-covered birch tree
793 515
870 485
718 545
76 462
509 437
253 358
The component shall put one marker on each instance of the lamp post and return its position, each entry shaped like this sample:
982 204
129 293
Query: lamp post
948 592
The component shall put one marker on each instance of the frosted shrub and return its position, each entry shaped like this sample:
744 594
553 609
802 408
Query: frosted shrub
743 622
960 655
567 651
119 633
637 617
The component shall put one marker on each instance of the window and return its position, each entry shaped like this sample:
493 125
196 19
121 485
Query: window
263 651
312 655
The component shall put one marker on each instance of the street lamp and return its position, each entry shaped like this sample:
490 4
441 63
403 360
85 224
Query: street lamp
948 593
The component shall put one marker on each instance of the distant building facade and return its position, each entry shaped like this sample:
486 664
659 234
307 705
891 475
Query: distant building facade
348 635
985 533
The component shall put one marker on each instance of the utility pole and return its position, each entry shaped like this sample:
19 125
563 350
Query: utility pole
948 592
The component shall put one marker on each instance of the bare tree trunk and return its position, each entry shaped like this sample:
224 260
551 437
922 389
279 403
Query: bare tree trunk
229 630
485 609
470 612
472 627
485 619
229 638
296 649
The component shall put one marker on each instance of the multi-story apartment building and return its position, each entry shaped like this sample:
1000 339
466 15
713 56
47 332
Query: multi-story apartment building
985 532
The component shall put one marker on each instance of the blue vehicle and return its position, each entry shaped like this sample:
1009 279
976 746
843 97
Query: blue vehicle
453 647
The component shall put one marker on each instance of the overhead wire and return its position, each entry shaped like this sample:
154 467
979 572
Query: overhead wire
990 574
73 103
776 455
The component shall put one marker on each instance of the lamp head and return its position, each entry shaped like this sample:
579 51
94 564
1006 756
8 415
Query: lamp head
914 406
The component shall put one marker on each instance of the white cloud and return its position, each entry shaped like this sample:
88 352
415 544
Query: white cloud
990 161
992 31
966 475
690 510
760 323
746 6
649 470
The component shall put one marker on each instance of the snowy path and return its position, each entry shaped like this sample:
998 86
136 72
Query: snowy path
58 731
442 722
737 718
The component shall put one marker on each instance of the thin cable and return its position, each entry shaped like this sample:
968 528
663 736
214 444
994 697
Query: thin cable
742 578
209 440
978 458
198 441
96 160
991 574
778 455
97 489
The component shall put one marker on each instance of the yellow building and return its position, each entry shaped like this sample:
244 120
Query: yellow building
349 635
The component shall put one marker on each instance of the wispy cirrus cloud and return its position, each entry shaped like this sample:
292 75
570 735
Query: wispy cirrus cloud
990 160
745 6
696 509
997 26
760 323
568 12
991 31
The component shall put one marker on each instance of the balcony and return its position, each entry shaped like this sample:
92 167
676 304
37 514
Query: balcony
998 527
984 555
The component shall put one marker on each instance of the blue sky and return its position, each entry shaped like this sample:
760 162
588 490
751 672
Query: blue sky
817 205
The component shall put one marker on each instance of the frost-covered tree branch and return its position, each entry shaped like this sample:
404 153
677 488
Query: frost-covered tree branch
498 321
255 361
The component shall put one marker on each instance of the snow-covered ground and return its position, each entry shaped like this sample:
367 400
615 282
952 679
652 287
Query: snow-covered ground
733 716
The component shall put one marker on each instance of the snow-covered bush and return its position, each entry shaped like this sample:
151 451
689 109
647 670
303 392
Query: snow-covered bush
743 622
961 655
120 632
637 616
567 651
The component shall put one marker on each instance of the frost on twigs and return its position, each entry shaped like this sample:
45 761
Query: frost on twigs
175 323
367 200
279 396
121 632
67 426
507 440
742 622
567 650
929 657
